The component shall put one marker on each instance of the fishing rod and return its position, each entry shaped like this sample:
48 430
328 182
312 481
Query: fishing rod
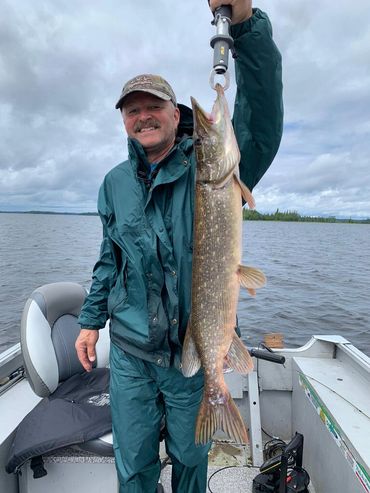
221 43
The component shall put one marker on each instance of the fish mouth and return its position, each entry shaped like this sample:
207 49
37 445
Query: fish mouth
220 109
205 120
214 138
202 119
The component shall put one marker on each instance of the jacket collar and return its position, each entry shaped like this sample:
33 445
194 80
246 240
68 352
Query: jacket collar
169 169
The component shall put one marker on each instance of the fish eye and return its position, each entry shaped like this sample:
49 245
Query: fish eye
197 142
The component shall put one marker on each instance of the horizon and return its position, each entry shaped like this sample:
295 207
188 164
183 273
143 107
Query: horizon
284 212
62 75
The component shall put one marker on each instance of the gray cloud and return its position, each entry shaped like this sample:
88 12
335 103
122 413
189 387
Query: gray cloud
62 66
322 164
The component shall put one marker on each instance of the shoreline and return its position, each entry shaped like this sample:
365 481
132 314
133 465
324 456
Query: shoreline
248 215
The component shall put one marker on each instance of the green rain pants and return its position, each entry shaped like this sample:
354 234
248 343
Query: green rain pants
141 393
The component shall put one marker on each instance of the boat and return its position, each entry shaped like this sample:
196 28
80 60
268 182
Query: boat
318 392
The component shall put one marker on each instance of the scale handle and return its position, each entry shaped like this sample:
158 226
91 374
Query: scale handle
222 42
223 11
274 358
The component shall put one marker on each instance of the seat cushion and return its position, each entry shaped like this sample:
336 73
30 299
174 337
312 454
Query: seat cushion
78 411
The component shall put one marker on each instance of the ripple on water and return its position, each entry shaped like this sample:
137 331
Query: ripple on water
318 275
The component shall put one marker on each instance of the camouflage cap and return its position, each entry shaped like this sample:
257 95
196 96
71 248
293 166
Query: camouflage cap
153 84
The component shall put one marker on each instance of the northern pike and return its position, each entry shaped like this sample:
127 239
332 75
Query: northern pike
217 273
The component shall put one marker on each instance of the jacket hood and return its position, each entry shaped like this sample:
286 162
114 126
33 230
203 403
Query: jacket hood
186 122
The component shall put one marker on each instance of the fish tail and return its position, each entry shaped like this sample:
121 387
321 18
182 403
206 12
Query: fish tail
224 416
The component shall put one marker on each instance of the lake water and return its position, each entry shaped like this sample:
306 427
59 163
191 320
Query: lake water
318 275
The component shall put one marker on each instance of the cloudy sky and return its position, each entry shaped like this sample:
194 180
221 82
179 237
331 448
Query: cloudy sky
63 63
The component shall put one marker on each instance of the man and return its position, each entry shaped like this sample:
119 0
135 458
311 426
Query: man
142 280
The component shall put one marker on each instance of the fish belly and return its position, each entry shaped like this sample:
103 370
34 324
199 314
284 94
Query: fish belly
216 257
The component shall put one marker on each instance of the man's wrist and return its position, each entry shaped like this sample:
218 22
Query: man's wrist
249 15
238 30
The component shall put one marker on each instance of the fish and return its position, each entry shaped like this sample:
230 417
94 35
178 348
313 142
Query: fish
217 273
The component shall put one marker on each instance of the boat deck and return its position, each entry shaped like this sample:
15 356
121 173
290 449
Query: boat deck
235 479
229 468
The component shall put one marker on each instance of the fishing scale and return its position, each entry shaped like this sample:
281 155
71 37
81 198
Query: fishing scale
222 43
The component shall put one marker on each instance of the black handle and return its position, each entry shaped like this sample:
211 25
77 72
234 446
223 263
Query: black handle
274 358
294 447
295 444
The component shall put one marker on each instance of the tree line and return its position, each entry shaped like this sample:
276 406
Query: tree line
294 216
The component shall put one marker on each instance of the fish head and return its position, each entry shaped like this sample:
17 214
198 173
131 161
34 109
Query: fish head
216 149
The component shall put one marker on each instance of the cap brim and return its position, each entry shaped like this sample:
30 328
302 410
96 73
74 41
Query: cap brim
159 94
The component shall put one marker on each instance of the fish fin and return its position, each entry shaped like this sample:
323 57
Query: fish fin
246 193
190 361
232 159
238 357
251 278
223 416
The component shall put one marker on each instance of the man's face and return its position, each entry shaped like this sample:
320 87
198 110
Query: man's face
150 120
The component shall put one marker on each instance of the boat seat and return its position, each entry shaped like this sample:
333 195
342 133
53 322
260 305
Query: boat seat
49 330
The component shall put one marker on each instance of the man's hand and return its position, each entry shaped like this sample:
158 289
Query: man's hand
85 347
241 9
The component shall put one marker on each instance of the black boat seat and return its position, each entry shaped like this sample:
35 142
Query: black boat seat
49 330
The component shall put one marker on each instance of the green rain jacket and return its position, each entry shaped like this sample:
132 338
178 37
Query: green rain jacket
142 280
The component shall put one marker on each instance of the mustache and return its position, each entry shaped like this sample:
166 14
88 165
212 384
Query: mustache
148 123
